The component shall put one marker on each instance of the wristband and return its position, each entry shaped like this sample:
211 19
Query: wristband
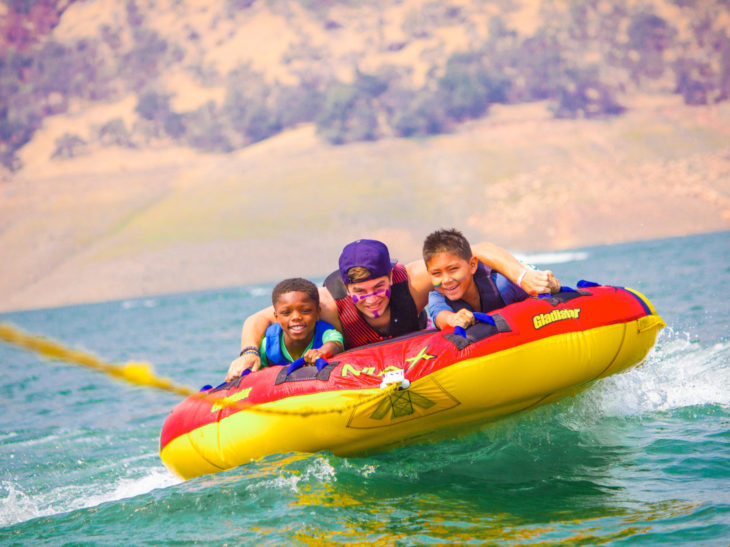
250 349
519 279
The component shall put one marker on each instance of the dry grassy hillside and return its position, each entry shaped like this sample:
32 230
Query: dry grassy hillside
124 223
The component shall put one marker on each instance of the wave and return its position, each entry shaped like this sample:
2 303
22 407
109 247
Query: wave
259 291
143 303
560 257
679 373
18 505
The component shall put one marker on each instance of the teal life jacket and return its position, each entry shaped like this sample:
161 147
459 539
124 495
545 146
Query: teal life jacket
274 351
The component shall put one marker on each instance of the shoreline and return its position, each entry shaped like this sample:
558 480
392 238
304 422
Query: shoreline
203 287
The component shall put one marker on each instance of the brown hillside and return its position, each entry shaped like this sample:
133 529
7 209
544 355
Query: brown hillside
126 223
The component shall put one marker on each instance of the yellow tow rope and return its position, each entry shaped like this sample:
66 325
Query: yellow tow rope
141 374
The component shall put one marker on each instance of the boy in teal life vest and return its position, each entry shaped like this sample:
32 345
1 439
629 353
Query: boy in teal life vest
298 332
464 285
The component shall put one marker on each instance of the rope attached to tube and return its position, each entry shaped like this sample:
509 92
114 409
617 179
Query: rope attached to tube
141 374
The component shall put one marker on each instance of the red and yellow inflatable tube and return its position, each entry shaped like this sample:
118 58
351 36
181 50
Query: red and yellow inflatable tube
537 351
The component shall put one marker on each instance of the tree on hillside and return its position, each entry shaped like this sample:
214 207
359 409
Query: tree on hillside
114 133
422 115
539 62
467 86
147 57
247 107
649 36
153 106
69 146
349 113
14 134
250 115
582 93
298 103
205 130
27 22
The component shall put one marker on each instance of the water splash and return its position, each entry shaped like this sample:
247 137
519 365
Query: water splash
17 505
540 259
679 373
143 303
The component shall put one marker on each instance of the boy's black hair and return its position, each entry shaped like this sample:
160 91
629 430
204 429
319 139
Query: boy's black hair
446 241
295 284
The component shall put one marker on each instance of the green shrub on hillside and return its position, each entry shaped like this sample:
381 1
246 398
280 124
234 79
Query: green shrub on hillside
422 116
468 86
298 104
69 146
581 93
337 117
581 57
348 113
114 133
205 130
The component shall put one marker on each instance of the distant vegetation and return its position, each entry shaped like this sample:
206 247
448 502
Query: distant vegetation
582 63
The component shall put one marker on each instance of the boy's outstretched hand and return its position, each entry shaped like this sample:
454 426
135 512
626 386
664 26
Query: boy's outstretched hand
537 282
244 362
328 349
311 356
462 318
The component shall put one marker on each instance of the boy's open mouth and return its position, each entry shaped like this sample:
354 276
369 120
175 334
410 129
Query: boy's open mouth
450 290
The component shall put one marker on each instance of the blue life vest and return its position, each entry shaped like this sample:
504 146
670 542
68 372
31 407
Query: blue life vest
274 352
489 294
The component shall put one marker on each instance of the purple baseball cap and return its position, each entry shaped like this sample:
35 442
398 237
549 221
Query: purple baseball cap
367 253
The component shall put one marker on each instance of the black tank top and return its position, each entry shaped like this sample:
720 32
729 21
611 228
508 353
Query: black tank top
404 317
488 293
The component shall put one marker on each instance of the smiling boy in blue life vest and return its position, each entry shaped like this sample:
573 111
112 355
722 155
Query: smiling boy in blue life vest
298 332
464 285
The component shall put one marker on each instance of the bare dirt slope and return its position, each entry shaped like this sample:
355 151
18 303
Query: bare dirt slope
125 223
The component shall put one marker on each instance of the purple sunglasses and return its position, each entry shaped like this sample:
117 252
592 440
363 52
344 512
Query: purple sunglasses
357 298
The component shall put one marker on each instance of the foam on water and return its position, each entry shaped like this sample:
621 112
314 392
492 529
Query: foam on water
259 291
125 488
288 477
143 303
540 259
16 505
678 373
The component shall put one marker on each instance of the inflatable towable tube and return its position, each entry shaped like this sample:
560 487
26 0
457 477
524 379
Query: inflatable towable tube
523 355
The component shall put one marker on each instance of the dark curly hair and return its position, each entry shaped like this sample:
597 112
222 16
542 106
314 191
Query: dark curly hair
295 284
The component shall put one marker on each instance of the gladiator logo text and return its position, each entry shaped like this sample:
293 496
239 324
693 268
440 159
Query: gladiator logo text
543 319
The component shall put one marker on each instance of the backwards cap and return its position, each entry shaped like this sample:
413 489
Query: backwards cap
366 253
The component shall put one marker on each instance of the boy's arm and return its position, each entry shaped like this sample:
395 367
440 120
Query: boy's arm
533 282
332 343
328 309
327 350
419 283
462 318
254 329
444 316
